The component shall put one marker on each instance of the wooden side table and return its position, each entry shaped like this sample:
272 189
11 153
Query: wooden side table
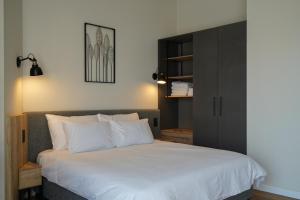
184 136
29 177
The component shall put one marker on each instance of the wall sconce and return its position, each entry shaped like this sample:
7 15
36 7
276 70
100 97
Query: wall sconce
159 77
35 69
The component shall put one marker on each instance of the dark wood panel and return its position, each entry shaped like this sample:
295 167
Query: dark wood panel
187 48
188 37
186 67
168 108
232 87
185 113
205 88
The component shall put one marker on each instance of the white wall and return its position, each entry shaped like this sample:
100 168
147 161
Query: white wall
13 48
13 81
273 92
53 31
194 15
2 129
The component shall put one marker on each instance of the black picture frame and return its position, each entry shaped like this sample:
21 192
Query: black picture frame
101 51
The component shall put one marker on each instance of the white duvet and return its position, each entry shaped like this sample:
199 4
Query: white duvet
158 171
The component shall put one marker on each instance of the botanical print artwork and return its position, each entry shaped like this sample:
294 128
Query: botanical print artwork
99 54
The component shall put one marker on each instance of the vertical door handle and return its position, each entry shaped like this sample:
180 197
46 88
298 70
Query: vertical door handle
221 106
214 106
23 136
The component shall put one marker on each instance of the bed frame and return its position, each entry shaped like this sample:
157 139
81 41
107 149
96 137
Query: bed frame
53 191
39 140
38 131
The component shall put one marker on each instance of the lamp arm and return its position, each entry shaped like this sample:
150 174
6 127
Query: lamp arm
30 57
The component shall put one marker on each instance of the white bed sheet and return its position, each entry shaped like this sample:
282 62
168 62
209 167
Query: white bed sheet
158 171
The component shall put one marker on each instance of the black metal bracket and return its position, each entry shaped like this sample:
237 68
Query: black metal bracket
19 61
30 57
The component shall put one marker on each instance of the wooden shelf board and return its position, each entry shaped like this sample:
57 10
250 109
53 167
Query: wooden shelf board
182 58
178 131
180 77
178 97
178 135
30 166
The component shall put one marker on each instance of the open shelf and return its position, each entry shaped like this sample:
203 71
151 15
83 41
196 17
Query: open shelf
177 97
175 60
181 77
182 58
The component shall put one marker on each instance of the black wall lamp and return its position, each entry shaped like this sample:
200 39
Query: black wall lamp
35 69
159 77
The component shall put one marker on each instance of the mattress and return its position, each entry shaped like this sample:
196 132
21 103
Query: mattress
158 171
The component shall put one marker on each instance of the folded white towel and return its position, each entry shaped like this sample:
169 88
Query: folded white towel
190 95
178 93
177 82
185 86
190 92
181 84
180 89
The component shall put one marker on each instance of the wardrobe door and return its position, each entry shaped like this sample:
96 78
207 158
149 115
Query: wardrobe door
205 79
232 87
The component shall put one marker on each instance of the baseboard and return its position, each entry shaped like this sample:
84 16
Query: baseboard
279 191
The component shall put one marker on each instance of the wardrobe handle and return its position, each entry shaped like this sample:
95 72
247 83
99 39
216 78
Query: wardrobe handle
214 106
221 106
23 136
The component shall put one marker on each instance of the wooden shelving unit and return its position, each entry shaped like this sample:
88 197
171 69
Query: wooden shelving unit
184 77
177 97
181 58
175 59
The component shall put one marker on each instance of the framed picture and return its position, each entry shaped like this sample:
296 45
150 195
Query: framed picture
99 54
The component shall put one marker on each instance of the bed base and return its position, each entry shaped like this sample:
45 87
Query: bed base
52 191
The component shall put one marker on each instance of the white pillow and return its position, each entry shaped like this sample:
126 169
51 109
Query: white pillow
119 117
83 137
125 133
57 133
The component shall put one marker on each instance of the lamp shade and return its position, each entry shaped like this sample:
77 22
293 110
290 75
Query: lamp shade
161 79
36 70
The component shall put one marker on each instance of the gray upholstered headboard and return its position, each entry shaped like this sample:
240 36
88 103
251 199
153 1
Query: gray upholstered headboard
38 131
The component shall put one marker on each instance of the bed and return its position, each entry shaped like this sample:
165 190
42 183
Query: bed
158 171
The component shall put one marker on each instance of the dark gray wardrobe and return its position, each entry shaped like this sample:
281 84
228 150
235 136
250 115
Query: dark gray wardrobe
219 77
220 87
